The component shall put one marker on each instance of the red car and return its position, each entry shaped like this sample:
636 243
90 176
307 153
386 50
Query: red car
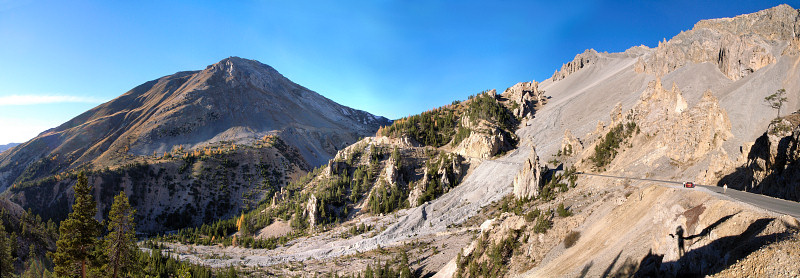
688 184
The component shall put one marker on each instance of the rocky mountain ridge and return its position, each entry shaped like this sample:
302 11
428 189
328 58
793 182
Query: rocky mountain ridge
235 100
8 146
238 127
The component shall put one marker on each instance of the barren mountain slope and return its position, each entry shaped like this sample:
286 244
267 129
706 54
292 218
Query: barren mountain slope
187 148
235 100
686 110
588 95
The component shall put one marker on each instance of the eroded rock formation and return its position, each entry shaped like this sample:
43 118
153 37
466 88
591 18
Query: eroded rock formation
526 95
737 46
582 60
529 179
698 130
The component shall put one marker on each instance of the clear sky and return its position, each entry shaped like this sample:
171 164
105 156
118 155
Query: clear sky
390 58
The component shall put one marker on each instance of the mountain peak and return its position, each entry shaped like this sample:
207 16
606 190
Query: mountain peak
234 65
781 22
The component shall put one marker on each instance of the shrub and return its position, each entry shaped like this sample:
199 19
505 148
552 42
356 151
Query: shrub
532 215
563 212
606 149
542 225
571 238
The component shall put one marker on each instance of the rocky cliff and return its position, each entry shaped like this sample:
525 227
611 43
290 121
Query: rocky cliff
582 60
738 46
773 162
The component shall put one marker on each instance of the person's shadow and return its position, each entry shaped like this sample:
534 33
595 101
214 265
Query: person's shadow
679 235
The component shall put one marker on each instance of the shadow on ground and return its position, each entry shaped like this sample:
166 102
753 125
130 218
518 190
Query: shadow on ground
777 176
698 262
713 257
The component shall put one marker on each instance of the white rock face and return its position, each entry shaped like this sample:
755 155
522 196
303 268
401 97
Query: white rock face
311 211
529 179
480 145
527 96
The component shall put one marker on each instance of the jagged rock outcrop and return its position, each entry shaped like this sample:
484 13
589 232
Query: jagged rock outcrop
528 181
738 46
793 49
570 144
334 167
447 175
688 133
773 162
403 141
389 173
582 60
781 22
526 95
311 211
416 190
698 131
280 196
657 106
481 145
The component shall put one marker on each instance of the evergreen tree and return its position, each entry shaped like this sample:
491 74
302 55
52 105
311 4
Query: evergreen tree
6 262
77 234
120 243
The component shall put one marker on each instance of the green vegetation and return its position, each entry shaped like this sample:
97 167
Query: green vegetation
776 100
440 126
6 261
394 268
358 229
778 126
563 212
156 264
606 149
488 259
120 242
78 234
543 223
386 200
431 128
24 240
435 186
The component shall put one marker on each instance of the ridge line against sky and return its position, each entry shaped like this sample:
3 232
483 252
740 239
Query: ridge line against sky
390 58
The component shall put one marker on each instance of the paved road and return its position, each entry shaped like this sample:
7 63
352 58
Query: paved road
758 200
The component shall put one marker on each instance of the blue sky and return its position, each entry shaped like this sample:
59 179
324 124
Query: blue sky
391 58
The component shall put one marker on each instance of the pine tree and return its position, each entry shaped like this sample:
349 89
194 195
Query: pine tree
77 234
120 243
6 262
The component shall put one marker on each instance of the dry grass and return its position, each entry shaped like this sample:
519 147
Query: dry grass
571 239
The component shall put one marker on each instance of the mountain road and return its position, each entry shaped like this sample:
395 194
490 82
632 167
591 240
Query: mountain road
762 201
